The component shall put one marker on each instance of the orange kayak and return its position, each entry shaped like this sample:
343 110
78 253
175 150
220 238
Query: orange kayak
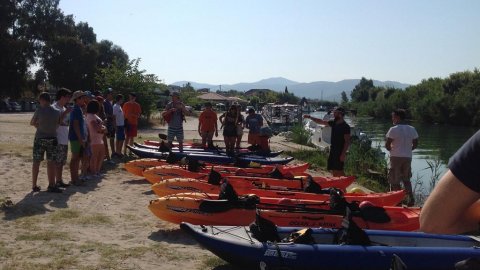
296 180
137 167
195 209
181 185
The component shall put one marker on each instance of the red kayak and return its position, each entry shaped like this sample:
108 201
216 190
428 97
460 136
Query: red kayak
138 166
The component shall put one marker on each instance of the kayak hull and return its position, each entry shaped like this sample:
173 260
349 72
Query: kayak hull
416 250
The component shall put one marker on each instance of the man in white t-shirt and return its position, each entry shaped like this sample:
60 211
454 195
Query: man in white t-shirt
62 98
401 140
119 126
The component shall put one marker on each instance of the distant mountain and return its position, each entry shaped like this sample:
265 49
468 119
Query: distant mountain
320 90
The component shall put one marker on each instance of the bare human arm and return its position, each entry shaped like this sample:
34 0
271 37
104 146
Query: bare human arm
451 208
346 137
388 144
316 120
414 144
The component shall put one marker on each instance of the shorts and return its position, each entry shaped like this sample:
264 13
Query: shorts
253 138
62 153
230 131
131 130
75 147
120 133
175 132
334 163
400 170
110 130
40 146
208 135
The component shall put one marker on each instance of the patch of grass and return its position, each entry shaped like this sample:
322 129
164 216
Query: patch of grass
162 250
212 262
55 264
5 252
64 214
28 223
316 158
300 135
95 219
46 235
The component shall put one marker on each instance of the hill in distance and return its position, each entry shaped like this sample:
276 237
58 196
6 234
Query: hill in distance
315 90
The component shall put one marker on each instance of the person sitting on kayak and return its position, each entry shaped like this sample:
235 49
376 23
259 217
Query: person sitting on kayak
453 207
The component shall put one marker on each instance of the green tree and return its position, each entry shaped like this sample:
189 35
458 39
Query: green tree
361 92
344 97
129 78
108 52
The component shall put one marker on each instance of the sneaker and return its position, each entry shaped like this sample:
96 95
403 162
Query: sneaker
61 184
54 189
36 189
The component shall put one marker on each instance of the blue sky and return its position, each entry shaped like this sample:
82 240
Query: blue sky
226 41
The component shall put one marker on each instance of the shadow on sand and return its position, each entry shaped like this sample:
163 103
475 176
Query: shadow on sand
35 203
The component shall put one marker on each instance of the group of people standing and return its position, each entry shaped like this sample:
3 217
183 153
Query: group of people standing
232 122
90 126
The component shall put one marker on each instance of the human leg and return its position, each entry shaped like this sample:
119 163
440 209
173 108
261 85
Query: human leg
37 157
75 161
395 173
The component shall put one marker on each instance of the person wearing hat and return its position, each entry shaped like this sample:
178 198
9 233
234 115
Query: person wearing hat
207 125
340 140
77 134
132 111
45 120
175 111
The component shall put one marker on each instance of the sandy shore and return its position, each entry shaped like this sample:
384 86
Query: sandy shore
103 225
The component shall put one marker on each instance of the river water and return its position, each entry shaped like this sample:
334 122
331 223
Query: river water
436 144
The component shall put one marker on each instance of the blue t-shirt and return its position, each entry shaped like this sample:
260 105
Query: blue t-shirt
464 163
76 114
254 123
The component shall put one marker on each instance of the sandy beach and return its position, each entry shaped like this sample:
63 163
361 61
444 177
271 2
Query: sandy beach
102 225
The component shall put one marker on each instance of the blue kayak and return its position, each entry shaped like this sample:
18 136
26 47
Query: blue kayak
210 157
238 246
216 151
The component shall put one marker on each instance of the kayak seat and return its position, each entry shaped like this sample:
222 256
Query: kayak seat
264 230
217 206
313 187
214 177
350 233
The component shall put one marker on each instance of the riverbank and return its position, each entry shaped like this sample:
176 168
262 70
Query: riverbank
102 225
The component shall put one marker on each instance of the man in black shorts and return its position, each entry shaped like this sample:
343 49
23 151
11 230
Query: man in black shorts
340 140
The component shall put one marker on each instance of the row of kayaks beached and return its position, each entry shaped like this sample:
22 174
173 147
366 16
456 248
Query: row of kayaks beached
291 228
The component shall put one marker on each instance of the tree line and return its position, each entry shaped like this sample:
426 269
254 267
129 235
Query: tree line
38 34
453 100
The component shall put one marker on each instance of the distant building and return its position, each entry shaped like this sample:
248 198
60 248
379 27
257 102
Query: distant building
216 98
203 90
